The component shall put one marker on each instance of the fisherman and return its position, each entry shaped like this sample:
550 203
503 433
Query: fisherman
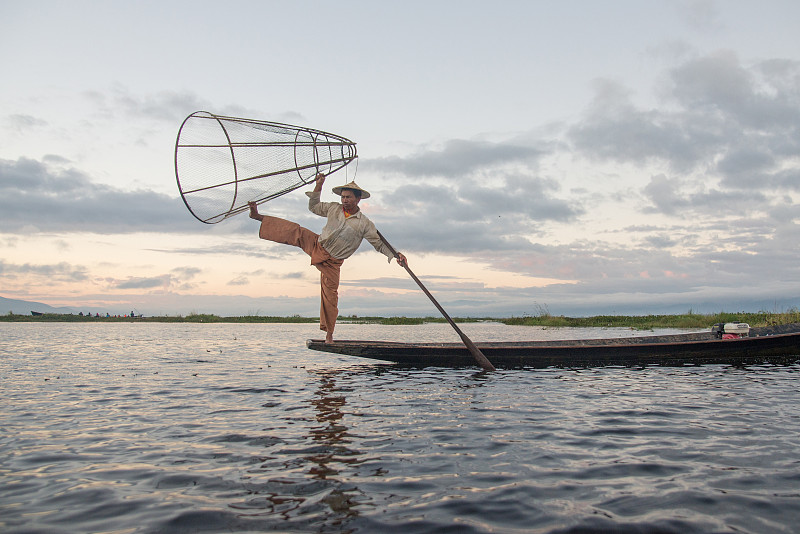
346 227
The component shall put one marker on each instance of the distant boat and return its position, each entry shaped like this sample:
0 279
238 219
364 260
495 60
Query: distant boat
36 313
776 344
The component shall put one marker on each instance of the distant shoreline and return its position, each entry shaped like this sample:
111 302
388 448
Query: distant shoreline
644 322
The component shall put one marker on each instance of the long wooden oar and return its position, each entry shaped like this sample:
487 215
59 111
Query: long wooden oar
476 352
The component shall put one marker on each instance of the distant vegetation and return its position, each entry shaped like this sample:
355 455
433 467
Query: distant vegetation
641 322
191 318
646 322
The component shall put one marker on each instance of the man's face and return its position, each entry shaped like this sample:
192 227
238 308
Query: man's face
349 200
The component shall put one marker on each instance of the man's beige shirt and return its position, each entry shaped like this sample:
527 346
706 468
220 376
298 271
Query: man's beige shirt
342 235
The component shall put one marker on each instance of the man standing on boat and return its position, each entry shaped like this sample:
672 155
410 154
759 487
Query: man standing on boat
346 227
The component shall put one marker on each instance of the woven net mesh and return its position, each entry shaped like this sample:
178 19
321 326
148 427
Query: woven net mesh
222 163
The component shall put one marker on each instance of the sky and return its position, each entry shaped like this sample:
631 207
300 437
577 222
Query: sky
528 157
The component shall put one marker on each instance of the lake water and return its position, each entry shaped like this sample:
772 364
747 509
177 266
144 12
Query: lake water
239 428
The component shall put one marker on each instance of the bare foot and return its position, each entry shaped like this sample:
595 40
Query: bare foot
329 337
254 211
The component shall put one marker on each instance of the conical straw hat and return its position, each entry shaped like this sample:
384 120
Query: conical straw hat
352 185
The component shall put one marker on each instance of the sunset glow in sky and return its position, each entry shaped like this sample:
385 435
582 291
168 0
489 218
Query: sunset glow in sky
579 158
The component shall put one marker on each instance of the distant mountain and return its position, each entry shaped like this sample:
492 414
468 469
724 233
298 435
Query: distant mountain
25 307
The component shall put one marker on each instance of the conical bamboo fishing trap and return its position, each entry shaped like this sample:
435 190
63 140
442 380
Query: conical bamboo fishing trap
222 163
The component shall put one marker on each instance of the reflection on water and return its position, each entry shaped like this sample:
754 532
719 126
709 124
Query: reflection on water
332 439
220 428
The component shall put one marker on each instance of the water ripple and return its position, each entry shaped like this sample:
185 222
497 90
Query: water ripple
219 428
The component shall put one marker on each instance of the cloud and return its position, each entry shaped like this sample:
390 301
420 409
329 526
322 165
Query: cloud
471 195
23 123
761 98
258 249
614 129
243 279
51 196
170 107
746 118
457 158
148 282
709 177
679 262
297 275
60 272
186 273
726 139
700 15
177 278
669 196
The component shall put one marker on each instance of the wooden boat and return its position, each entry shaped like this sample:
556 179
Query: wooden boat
772 344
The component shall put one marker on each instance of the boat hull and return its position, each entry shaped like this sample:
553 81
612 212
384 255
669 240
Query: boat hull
774 345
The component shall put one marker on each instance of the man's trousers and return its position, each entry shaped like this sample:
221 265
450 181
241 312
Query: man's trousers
289 233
